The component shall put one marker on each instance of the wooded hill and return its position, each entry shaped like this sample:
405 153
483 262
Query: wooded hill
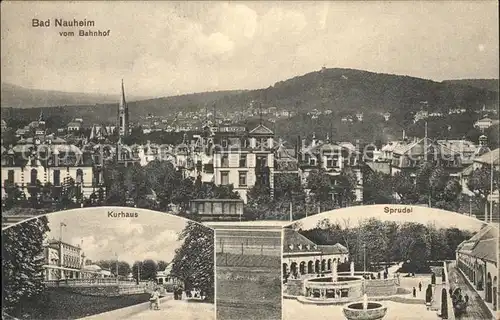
344 91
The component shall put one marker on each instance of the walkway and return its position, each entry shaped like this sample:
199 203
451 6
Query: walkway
476 309
178 309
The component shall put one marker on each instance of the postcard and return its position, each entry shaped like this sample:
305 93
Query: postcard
250 160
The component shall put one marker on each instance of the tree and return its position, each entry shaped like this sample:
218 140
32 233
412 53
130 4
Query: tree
14 195
444 304
115 186
135 184
413 245
374 237
137 271
404 187
123 267
144 270
162 265
344 186
480 183
149 269
377 188
194 260
259 203
22 263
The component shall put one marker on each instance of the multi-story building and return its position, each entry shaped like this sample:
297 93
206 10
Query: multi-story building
478 261
42 160
333 158
408 156
302 257
242 157
62 261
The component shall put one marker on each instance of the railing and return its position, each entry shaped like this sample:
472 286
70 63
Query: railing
90 282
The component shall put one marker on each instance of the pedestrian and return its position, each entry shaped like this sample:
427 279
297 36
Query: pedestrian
157 299
152 299
414 292
420 286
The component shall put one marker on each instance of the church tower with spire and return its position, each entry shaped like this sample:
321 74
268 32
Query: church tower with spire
123 118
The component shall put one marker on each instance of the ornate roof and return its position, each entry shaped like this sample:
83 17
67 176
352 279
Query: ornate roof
262 130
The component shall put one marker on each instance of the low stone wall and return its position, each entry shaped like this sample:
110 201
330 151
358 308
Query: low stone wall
381 287
294 287
106 291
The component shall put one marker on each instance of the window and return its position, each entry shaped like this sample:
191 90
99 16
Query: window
57 177
209 168
34 176
224 177
242 178
224 161
10 177
201 208
224 143
329 163
79 176
261 162
245 143
243 160
312 161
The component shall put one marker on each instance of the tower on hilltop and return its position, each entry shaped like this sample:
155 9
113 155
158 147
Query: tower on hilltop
123 118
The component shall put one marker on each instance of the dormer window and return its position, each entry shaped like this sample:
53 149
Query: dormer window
300 247
315 247
290 246
308 247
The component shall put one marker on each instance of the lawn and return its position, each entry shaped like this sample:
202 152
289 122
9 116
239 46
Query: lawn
57 304
243 294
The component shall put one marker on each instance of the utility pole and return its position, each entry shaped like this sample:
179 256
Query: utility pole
116 267
491 187
61 231
291 212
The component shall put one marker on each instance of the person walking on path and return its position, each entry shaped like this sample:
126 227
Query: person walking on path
157 299
420 286
414 292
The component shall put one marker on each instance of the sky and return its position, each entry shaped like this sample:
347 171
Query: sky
169 48
353 216
152 235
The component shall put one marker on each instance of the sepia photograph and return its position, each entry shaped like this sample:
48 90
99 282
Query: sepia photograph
107 263
390 262
248 272
304 135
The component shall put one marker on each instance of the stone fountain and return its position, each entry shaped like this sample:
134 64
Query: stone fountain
365 310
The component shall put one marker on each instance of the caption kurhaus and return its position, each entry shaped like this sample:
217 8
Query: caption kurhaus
121 214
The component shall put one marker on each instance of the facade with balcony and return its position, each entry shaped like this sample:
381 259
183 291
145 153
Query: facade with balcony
30 165
243 157
409 156
333 158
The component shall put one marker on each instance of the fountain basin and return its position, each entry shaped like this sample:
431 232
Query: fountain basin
356 311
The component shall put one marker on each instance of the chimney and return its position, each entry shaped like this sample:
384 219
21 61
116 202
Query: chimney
404 135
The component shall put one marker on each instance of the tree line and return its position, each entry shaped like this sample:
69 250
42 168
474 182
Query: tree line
380 241
430 185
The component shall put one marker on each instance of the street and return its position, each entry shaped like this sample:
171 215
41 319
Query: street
476 309
178 309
